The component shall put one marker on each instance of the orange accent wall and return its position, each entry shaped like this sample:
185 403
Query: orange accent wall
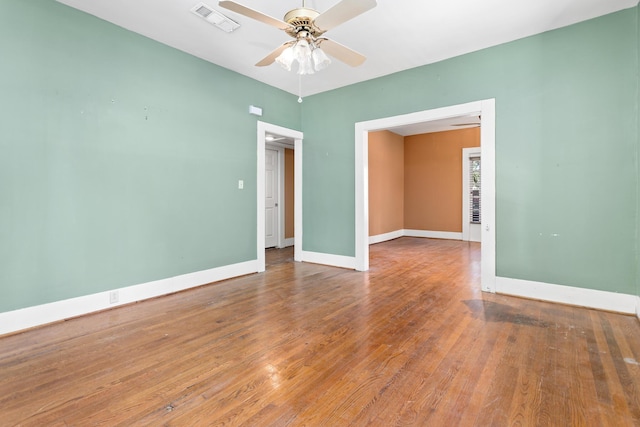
288 193
433 179
386 182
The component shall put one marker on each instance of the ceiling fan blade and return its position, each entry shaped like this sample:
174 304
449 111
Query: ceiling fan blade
254 14
269 59
342 12
341 52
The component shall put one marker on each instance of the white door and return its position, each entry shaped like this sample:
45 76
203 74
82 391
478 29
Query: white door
271 198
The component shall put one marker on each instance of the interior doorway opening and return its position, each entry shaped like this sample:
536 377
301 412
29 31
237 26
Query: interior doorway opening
278 138
484 109
279 192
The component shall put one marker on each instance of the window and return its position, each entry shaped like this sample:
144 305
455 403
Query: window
474 190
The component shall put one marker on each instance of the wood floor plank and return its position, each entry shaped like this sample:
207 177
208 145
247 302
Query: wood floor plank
411 342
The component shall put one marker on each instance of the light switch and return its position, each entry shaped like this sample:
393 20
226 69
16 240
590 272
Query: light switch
240 184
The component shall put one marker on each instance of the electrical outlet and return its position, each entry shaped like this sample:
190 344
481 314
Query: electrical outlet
113 297
240 184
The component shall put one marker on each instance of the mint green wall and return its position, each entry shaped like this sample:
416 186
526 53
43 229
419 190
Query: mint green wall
119 157
566 143
638 157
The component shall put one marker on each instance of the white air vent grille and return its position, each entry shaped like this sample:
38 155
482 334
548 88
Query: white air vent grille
203 10
216 18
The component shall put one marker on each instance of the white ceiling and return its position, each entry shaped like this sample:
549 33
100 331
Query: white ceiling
395 36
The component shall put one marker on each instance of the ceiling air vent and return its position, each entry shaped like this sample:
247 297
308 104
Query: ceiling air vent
215 17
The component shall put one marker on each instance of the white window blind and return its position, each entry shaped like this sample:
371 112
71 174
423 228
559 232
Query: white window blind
474 190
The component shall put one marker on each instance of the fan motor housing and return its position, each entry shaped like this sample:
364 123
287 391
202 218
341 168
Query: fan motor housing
302 19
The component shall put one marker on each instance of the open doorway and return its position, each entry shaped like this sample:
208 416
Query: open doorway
485 109
279 191
269 136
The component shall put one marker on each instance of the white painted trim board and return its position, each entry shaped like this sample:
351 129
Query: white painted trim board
329 259
379 238
582 297
29 317
448 235
288 242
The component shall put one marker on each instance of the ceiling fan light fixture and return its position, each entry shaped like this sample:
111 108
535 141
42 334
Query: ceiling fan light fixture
310 57
301 50
286 58
307 26
305 66
320 59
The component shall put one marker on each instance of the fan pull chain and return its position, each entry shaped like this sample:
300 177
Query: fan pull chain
299 88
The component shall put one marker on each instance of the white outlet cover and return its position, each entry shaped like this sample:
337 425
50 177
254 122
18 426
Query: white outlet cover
113 297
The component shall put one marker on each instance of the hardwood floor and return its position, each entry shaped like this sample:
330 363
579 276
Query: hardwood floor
411 342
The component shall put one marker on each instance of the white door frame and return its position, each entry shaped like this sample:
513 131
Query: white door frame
484 108
262 129
467 153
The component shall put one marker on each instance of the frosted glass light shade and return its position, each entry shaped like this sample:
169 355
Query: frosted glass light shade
285 59
320 59
301 50
306 52
306 66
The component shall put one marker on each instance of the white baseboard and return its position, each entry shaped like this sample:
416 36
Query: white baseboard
591 298
12 321
638 308
450 235
329 259
379 238
288 242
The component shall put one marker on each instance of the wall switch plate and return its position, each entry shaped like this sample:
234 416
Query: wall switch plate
240 184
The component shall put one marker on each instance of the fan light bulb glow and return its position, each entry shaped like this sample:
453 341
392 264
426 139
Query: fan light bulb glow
309 56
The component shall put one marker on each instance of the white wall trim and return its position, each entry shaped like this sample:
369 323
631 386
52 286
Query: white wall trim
638 308
262 129
582 297
379 238
297 192
329 259
449 235
484 108
288 242
12 321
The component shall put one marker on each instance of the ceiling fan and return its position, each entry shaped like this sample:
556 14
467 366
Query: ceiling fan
307 27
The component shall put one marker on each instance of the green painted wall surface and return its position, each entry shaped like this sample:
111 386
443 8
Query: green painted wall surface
638 158
119 157
566 138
